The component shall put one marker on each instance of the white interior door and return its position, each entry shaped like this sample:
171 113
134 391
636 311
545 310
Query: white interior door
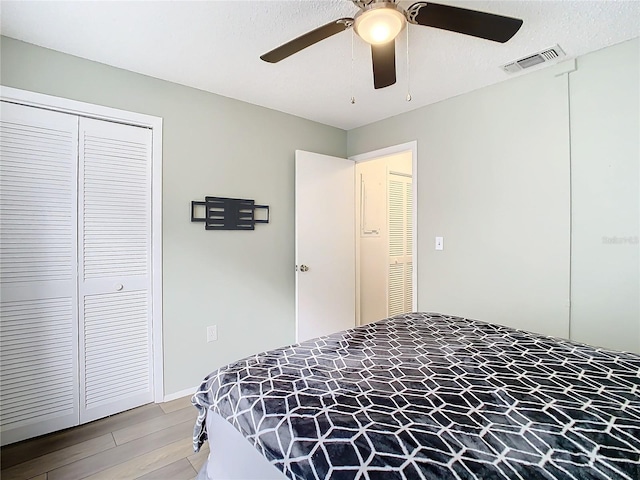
116 367
325 244
38 275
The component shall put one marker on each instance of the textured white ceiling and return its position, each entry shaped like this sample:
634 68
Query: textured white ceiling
215 46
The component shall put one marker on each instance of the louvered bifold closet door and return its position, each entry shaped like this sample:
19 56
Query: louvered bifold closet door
400 223
115 261
408 245
38 295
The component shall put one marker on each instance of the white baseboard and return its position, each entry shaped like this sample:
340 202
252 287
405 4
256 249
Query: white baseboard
180 394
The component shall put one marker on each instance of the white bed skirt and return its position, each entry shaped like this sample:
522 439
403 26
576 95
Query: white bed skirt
232 457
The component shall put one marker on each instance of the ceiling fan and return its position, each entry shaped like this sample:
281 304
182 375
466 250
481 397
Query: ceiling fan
380 21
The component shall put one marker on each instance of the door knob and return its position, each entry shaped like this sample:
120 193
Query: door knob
119 287
304 268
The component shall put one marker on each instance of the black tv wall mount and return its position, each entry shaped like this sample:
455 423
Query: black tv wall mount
222 213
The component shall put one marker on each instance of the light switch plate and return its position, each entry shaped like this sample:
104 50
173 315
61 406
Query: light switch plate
439 243
212 333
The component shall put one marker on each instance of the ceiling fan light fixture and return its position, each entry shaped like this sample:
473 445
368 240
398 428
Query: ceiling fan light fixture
379 23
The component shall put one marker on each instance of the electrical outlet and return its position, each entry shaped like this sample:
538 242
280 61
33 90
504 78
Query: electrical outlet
212 333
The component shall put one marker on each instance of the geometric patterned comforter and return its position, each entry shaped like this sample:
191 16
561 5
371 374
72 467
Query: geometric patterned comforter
428 396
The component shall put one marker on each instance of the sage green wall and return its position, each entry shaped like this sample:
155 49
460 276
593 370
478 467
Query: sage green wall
241 281
495 174
605 164
493 180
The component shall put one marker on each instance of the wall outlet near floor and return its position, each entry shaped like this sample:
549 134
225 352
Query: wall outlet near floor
212 333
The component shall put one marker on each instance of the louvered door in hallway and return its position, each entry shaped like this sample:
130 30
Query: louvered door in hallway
75 234
400 232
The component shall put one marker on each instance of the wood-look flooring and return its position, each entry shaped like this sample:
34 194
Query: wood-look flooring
149 442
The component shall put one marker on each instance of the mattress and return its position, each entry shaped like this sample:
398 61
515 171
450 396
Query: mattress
433 396
231 457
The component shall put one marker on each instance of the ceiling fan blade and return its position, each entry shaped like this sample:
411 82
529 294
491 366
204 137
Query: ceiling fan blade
383 58
306 40
470 22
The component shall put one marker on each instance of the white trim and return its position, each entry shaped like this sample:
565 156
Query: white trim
182 393
384 152
387 151
74 107
64 105
156 260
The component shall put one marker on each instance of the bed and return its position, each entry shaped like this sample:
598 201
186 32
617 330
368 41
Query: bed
424 396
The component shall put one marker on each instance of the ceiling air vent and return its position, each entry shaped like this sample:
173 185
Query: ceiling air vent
547 55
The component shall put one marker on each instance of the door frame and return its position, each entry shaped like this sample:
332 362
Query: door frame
374 155
74 107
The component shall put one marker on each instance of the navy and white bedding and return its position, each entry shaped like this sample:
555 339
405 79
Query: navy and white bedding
428 396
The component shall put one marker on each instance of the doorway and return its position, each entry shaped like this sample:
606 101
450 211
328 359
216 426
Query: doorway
384 236
327 240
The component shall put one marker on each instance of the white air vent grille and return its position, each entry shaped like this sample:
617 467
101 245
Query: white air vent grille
547 55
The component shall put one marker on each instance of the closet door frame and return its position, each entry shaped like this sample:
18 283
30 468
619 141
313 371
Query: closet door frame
64 105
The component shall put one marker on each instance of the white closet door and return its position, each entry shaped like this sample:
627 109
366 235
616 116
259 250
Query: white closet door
38 275
115 266
408 245
400 273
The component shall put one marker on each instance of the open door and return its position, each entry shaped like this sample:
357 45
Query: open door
325 244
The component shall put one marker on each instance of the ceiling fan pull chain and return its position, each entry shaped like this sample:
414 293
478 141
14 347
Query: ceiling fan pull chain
353 98
408 77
